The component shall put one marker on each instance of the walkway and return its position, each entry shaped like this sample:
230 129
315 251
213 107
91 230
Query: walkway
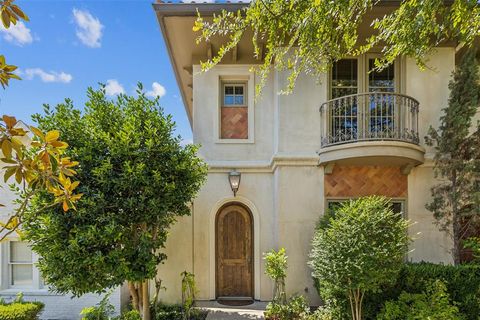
217 311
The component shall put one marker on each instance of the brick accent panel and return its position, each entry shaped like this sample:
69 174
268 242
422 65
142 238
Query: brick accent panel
234 123
352 181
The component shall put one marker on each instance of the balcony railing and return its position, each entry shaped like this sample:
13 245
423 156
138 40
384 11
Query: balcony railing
369 116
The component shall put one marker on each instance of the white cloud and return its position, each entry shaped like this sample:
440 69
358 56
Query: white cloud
18 34
51 76
89 28
157 90
113 88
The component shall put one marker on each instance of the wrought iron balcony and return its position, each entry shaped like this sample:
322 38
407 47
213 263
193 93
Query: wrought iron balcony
369 116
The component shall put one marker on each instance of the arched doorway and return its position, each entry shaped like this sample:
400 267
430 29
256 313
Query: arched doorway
234 253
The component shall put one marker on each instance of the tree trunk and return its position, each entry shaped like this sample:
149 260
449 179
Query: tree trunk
145 301
456 221
356 299
134 295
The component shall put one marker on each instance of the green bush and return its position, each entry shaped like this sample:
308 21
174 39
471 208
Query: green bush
296 308
130 315
20 311
176 312
102 311
462 283
432 304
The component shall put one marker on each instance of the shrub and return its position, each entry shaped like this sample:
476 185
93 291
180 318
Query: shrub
360 249
102 311
176 312
20 311
462 283
276 269
296 308
432 304
130 315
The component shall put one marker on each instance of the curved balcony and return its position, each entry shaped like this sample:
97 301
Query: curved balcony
373 126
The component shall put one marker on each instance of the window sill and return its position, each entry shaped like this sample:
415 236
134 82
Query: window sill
234 141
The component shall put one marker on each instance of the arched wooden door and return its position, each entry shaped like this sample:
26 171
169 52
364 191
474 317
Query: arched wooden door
234 252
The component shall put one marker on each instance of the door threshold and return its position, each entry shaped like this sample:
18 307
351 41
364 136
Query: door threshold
234 298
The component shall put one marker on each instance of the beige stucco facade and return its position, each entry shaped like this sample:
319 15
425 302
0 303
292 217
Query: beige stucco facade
282 177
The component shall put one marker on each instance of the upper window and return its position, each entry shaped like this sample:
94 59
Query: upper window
234 111
381 81
344 78
234 95
20 264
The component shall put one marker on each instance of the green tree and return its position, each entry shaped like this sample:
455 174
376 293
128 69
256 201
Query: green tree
456 199
136 178
360 249
309 35
10 14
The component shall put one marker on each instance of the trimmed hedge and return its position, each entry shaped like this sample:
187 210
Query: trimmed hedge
462 282
20 311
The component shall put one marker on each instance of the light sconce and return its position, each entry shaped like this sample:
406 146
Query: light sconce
234 179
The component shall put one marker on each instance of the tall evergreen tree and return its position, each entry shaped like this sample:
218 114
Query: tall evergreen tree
456 199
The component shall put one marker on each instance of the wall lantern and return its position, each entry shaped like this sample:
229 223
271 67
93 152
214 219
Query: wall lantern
234 179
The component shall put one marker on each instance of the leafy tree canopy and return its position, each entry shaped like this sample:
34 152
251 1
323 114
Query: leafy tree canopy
136 179
309 35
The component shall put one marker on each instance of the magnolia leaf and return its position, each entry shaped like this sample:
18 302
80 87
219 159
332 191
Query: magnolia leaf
52 136
7 149
8 173
18 176
37 132
10 122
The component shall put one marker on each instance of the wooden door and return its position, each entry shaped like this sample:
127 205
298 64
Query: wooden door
234 263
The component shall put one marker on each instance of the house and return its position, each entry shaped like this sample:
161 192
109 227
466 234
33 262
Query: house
355 133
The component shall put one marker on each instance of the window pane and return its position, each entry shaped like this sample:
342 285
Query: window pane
20 252
239 100
239 90
228 100
384 80
22 275
228 89
344 77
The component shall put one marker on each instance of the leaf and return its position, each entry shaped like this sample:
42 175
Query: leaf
5 19
37 132
9 121
65 206
7 149
19 12
52 136
8 173
59 144
18 176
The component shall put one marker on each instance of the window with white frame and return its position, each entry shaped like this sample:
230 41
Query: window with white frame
18 267
20 262
234 110
234 95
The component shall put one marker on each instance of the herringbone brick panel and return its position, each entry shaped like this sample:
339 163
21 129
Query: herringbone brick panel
351 181
234 123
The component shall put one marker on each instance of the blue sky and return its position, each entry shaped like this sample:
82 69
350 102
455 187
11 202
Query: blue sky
70 45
